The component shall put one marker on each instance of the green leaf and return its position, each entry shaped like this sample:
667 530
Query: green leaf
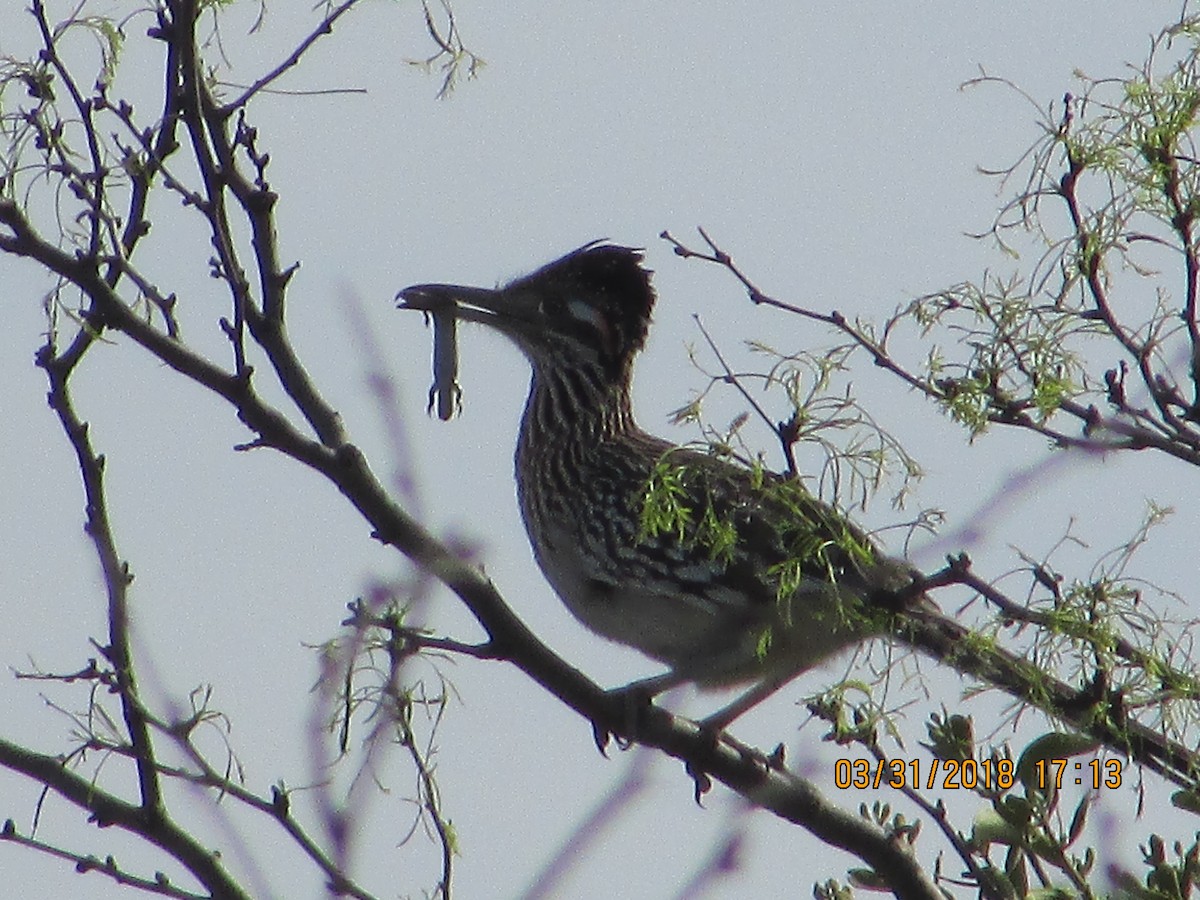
1052 746
990 827
1189 800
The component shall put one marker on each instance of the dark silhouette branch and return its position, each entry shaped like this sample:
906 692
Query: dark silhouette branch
107 810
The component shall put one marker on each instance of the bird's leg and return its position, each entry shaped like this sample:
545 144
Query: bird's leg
653 686
637 695
724 716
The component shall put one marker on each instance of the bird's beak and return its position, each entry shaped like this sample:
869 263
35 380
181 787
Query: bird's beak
504 310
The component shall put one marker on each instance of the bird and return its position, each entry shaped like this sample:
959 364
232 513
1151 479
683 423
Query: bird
726 573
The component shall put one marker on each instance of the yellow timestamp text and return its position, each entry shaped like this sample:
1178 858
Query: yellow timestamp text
972 774
1095 773
949 774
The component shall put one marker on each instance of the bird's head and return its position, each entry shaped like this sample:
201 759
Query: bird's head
590 308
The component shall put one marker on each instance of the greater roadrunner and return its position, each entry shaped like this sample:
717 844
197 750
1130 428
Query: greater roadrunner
726 574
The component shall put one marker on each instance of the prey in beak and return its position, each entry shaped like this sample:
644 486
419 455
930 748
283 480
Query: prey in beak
438 303
445 305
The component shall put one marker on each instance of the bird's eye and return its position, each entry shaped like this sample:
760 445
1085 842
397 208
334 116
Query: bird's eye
584 312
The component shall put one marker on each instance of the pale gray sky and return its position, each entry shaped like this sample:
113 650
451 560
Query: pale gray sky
828 146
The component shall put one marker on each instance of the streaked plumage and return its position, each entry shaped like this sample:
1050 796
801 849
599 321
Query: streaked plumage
583 468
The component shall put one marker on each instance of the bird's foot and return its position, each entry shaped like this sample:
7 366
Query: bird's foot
633 699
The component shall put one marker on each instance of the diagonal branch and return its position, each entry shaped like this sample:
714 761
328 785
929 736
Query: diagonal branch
292 59
736 765
109 810
117 577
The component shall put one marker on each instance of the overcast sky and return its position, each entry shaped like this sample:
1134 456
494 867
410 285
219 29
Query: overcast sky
827 146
